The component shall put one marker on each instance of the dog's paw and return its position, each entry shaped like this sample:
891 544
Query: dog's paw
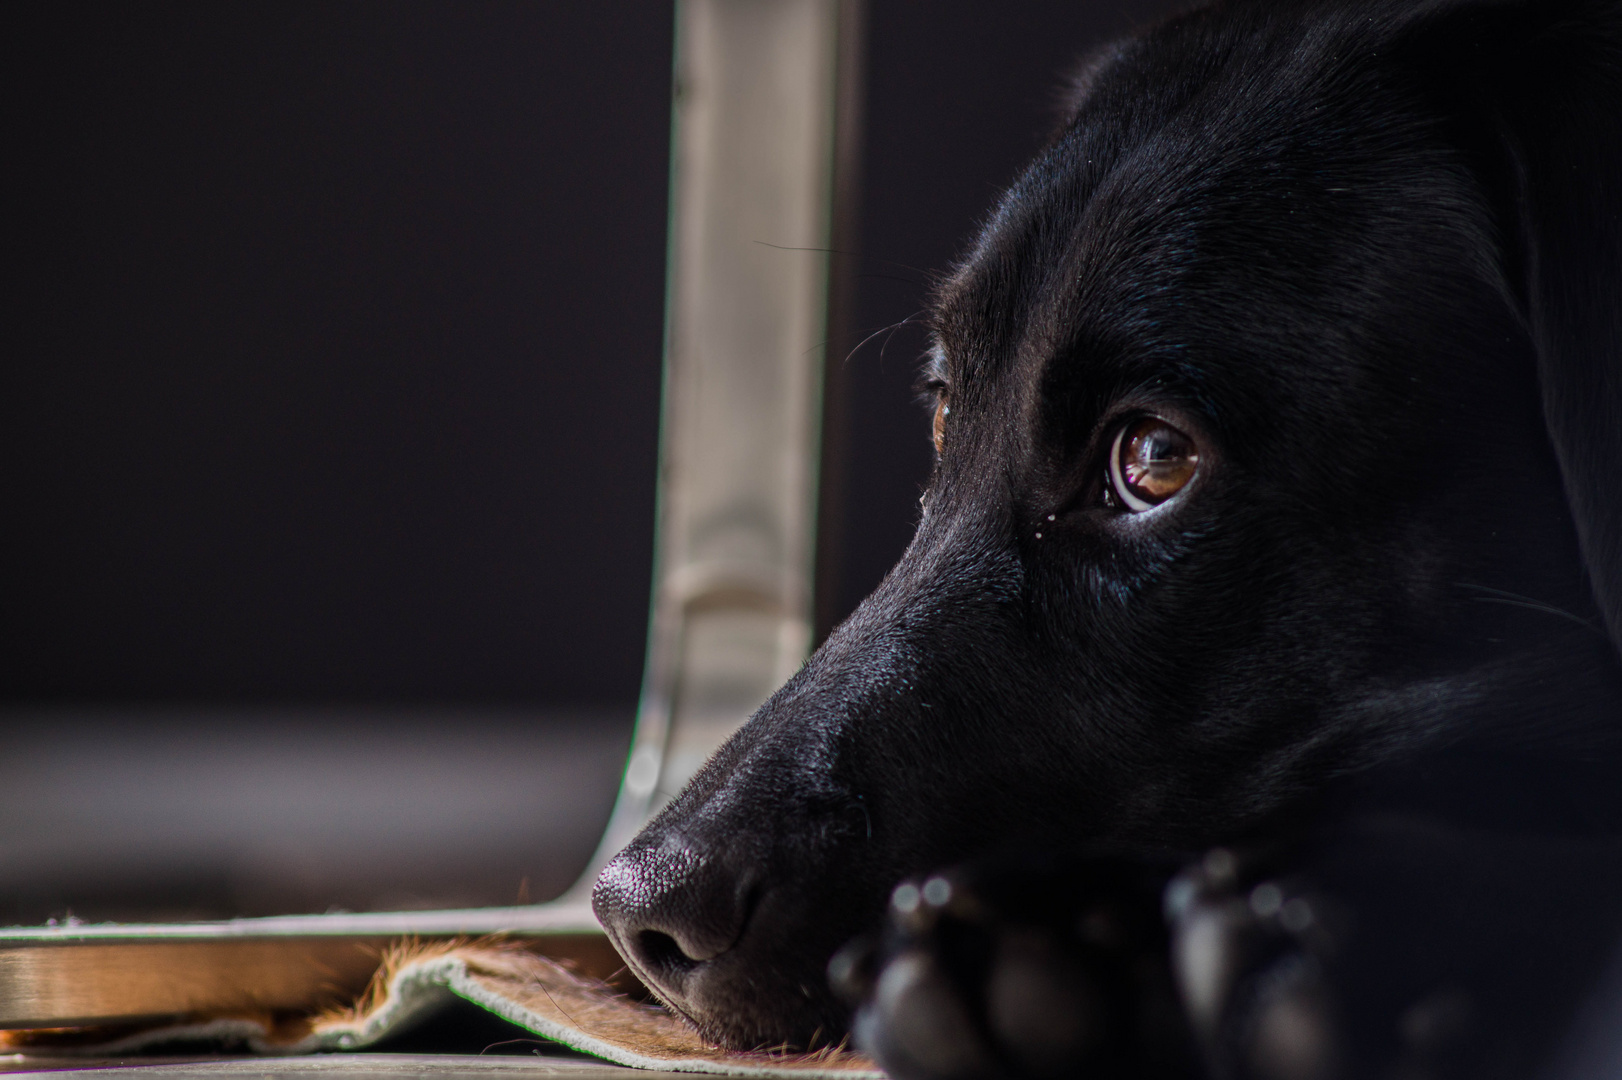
1018 972
1357 960
1250 953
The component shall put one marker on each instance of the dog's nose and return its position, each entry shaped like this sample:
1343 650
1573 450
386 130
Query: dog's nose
671 906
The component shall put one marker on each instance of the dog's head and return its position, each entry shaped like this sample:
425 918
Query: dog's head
1275 404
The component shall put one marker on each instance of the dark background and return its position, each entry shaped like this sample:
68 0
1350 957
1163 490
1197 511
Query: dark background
337 375
330 397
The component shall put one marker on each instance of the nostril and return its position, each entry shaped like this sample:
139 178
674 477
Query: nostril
672 907
660 952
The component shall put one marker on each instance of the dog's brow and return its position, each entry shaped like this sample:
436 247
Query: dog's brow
934 372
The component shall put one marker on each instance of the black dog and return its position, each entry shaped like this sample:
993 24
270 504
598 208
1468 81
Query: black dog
1271 572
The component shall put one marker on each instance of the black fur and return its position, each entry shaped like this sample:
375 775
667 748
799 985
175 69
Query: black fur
1369 255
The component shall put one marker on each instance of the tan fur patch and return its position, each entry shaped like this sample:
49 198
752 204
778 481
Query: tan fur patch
642 1034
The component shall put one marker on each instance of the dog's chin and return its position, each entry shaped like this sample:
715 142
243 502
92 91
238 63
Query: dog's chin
754 977
750 1003
769 990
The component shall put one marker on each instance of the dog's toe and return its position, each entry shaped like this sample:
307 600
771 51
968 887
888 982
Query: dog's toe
920 1025
1044 1008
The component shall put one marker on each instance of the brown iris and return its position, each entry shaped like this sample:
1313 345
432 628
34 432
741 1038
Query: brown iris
938 425
1150 462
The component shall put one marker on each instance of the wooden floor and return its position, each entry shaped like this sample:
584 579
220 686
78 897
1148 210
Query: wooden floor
335 1067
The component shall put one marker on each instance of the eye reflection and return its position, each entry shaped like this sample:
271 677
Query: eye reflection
938 425
1150 462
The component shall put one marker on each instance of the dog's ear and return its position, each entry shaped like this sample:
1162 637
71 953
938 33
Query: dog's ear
1539 83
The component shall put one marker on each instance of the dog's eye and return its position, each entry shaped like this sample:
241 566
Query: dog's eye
938 425
1150 462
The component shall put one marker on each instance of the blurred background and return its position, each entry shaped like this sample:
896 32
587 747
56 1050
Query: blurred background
330 407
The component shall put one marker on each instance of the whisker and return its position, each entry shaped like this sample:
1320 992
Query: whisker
891 329
892 334
1530 603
